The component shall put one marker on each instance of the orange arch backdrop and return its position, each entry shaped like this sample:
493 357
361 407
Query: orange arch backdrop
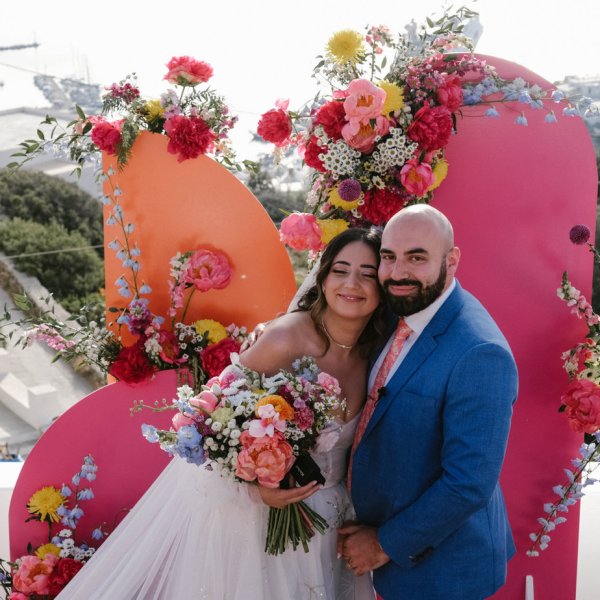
176 207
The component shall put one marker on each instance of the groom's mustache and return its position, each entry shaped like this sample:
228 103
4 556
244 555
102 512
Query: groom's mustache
388 282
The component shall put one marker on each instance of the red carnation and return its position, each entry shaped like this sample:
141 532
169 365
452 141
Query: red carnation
185 70
431 127
311 154
132 364
189 137
275 126
380 205
106 134
64 571
169 347
332 117
216 356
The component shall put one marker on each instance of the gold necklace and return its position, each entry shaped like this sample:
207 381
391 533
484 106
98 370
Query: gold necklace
343 346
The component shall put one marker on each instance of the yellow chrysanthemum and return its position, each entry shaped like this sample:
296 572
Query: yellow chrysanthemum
279 404
336 200
330 228
45 502
153 110
346 46
47 549
439 173
216 332
394 98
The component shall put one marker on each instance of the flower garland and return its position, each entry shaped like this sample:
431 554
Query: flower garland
376 140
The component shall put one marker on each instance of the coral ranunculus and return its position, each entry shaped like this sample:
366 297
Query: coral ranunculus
185 70
381 205
189 137
208 270
106 134
266 459
582 399
275 126
132 364
431 127
216 357
301 232
416 177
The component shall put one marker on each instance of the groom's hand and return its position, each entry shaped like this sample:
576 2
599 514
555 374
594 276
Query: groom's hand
361 549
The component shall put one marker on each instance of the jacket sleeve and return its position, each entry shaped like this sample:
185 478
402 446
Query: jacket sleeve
475 421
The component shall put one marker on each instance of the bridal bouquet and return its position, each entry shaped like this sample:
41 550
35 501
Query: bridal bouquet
376 138
253 428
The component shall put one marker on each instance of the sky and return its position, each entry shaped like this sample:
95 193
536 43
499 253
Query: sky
264 50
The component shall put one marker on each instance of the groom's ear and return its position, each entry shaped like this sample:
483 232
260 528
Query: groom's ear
452 259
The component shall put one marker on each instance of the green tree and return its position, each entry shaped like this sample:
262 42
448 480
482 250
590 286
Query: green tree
74 277
37 197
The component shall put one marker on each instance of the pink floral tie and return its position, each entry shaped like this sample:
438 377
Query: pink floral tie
402 333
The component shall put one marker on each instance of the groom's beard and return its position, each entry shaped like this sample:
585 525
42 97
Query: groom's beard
416 302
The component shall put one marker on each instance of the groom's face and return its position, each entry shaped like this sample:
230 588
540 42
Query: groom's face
417 264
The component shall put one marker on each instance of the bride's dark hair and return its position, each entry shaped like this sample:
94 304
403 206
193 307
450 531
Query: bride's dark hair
314 302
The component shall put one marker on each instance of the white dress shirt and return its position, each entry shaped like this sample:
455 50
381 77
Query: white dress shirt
417 322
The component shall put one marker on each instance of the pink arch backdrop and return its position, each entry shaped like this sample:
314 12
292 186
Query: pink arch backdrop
512 194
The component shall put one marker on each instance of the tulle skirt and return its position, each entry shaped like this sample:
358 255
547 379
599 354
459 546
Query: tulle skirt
197 535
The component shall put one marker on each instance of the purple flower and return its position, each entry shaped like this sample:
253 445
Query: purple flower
349 190
579 234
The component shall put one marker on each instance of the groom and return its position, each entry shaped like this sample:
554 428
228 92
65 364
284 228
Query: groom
427 454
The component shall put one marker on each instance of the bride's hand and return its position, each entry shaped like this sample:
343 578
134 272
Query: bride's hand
280 498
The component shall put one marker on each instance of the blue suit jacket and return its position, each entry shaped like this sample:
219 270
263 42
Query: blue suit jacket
425 473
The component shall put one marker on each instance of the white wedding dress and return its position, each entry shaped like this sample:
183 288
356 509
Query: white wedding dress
199 536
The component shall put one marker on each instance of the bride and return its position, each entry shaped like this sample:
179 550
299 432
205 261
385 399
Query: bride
196 535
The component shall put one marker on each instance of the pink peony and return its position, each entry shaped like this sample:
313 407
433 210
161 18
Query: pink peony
362 136
431 127
450 93
301 232
189 137
106 134
205 401
184 70
582 398
265 459
329 382
179 420
364 101
33 574
416 177
208 270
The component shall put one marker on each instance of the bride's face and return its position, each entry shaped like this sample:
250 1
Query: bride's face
351 287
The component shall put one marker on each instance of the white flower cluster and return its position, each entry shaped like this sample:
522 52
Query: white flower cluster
340 159
391 153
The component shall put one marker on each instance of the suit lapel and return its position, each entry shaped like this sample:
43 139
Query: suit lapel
422 349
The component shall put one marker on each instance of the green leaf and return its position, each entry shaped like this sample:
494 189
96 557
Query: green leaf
40 134
562 408
429 22
22 302
80 112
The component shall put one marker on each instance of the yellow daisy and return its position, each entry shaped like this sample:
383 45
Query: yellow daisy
346 46
336 200
330 228
394 98
214 330
47 549
45 502
439 173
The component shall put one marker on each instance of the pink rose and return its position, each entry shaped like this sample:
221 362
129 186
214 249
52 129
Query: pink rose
184 70
301 232
106 134
450 93
265 459
179 420
582 398
416 177
330 383
364 101
205 401
33 574
431 127
208 270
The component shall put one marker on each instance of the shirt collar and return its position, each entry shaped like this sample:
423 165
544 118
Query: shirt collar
418 321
